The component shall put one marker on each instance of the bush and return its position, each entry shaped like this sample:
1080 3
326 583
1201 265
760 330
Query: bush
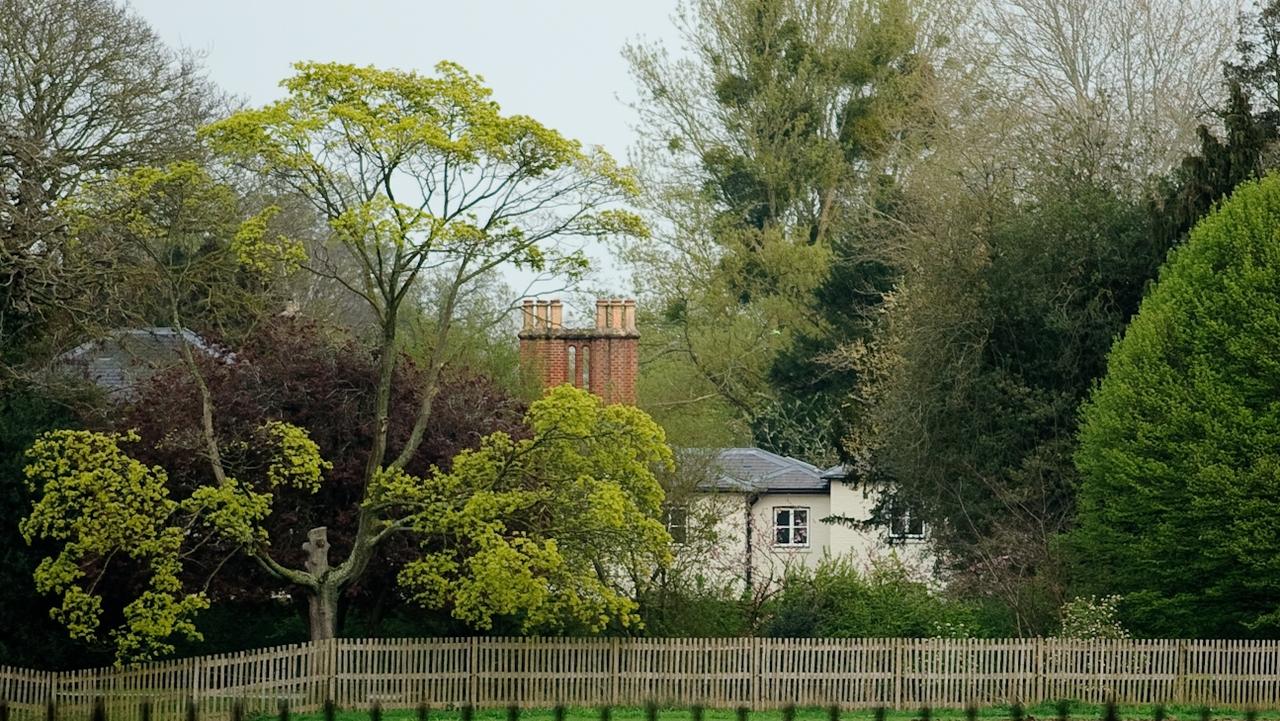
697 610
1092 617
836 600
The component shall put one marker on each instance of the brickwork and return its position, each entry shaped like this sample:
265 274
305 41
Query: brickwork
604 360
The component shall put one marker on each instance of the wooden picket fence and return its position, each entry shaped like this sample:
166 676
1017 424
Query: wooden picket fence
759 673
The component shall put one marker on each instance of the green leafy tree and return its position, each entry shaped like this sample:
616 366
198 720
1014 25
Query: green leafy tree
992 342
1178 443
415 176
762 152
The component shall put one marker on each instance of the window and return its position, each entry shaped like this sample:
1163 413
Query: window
790 526
572 365
677 520
904 524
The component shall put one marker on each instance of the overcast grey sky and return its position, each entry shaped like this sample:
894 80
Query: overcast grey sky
556 60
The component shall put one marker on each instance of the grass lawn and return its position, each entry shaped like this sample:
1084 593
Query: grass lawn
1043 712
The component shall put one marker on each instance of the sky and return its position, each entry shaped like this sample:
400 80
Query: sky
558 61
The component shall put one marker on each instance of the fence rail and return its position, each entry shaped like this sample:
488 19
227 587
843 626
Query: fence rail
718 672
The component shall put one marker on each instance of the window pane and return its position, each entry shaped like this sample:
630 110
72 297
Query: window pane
679 534
801 516
782 517
916 527
801 535
896 526
783 535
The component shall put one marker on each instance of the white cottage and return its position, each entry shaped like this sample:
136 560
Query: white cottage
771 513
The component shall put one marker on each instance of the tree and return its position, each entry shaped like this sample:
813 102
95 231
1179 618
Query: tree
556 528
29 637
86 87
990 344
414 175
1178 443
761 152
1116 88
307 374
1256 67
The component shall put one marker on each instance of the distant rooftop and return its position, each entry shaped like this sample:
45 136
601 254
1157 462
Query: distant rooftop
122 359
752 470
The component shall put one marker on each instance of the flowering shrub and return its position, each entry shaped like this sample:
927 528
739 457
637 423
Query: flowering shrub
1092 617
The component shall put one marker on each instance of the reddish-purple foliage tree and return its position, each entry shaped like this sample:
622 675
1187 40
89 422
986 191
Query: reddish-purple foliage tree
323 380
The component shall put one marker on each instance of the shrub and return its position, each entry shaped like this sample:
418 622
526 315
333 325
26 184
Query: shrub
1092 617
836 600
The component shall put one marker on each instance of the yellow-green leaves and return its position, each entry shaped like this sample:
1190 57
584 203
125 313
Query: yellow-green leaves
106 510
231 510
105 507
545 528
263 255
417 172
296 462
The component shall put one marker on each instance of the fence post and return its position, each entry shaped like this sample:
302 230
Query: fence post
329 670
193 671
897 673
473 678
1180 674
755 667
1040 680
615 669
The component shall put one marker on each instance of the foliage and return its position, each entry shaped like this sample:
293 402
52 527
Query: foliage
696 610
556 526
760 150
1204 178
86 88
180 239
307 374
838 600
1092 617
131 518
30 638
1177 492
992 342
484 191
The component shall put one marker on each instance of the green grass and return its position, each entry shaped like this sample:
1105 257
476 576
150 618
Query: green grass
1042 712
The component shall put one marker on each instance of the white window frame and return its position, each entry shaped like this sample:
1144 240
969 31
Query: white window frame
792 526
906 536
669 515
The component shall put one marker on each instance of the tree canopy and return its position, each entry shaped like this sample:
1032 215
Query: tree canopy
1178 445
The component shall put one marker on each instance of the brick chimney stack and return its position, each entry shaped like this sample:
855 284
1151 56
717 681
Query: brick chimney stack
604 360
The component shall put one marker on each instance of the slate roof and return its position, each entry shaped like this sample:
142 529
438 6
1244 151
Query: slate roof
124 358
837 473
752 470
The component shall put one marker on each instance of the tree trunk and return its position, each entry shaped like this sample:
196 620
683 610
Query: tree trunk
323 616
322 599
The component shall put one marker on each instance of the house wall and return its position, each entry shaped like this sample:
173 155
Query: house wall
771 561
721 555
